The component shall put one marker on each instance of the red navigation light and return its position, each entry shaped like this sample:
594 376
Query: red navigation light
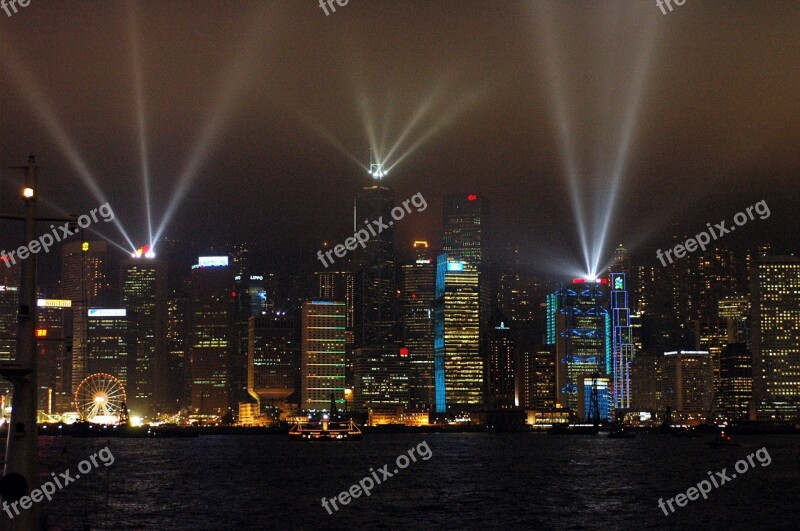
404 352
472 197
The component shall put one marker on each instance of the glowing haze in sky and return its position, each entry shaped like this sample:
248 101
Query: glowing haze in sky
587 124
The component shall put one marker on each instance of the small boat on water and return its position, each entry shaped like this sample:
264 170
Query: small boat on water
325 430
722 441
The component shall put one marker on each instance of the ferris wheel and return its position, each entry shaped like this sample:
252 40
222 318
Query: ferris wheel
100 398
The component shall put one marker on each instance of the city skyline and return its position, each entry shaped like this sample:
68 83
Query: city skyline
536 260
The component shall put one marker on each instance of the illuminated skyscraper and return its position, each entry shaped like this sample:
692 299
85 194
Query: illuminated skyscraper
583 336
86 281
273 350
621 342
776 337
9 304
736 382
537 378
54 342
501 374
144 295
688 383
211 339
419 286
250 299
381 382
596 402
735 313
322 353
462 305
647 389
108 345
179 377
466 228
622 264
459 364
340 286
375 319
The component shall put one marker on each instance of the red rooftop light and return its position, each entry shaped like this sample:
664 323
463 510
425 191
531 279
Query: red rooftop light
472 197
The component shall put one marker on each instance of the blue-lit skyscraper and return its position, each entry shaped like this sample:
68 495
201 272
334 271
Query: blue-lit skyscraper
583 337
621 341
459 366
597 402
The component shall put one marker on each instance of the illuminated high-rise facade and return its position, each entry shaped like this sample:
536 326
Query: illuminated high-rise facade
86 281
419 287
54 379
108 346
322 352
381 381
459 363
466 228
501 373
688 383
144 296
621 342
462 305
583 336
211 337
250 300
273 349
776 337
178 387
375 319
734 312
537 377
9 304
735 395
596 402
339 285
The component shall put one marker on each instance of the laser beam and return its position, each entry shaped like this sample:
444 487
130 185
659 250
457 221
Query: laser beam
136 59
25 83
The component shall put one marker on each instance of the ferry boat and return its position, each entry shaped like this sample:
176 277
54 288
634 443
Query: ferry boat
325 430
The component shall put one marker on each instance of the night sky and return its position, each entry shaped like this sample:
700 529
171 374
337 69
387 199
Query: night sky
265 100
